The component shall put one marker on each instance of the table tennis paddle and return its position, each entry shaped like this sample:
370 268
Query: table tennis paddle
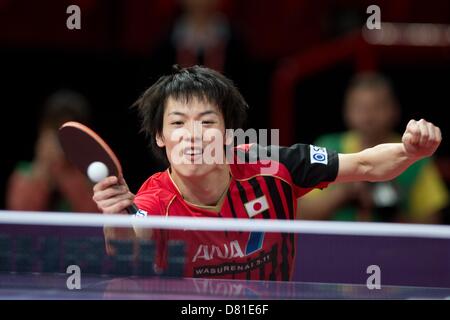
90 153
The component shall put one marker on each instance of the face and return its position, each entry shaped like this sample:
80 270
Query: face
371 111
193 135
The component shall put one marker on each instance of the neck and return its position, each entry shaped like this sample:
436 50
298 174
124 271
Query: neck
204 190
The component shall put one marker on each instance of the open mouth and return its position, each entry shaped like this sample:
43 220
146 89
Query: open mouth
193 154
193 151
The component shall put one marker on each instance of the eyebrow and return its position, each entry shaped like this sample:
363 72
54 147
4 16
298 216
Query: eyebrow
178 113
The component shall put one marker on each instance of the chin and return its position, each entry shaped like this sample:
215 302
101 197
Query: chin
193 170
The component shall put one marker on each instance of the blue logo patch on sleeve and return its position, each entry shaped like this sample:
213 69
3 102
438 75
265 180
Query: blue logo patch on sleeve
141 213
318 155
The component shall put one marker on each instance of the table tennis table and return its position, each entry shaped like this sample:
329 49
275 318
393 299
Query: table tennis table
34 258
54 286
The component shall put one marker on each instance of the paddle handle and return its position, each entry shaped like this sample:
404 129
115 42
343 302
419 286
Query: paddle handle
133 209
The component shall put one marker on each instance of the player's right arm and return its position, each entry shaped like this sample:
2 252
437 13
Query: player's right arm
112 196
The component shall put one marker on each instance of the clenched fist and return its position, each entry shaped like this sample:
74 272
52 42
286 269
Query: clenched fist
421 139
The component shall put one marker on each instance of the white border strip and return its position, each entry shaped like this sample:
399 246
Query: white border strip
222 224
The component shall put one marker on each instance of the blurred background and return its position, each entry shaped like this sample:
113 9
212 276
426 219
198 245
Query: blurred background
295 62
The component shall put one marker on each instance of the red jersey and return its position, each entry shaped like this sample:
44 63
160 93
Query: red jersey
254 192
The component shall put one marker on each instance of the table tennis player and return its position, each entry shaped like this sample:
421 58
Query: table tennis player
178 114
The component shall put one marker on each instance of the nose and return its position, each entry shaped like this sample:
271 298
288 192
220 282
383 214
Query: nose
194 131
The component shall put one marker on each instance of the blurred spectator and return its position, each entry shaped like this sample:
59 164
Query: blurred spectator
49 182
417 195
202 35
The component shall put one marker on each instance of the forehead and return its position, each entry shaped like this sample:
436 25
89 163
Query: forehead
193 106
363 97
370 92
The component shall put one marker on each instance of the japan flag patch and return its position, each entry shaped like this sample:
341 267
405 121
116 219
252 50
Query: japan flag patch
256 206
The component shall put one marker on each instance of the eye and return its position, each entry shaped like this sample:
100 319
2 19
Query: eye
177 123
208 122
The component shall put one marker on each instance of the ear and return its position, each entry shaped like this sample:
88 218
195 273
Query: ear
160 141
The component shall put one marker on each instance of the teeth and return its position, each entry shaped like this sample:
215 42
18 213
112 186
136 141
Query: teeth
191 152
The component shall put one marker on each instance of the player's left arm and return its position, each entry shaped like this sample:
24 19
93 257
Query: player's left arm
387 161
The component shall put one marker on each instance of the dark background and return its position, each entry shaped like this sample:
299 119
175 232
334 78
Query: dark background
119 52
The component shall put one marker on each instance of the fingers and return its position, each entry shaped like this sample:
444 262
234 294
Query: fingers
424 136
117 204
431 133
112 197
118 207
422 132
421 138
105 183
438 134
109 202
412 133
110 192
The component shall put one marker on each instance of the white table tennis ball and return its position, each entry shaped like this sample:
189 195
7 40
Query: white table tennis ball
97 171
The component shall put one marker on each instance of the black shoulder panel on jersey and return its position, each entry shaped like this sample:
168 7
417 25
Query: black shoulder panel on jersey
309 165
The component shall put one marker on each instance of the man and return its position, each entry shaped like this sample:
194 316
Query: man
182 114
416 196
49 182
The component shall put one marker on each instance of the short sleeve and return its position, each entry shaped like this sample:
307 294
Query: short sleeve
310 166
148 199
148 203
